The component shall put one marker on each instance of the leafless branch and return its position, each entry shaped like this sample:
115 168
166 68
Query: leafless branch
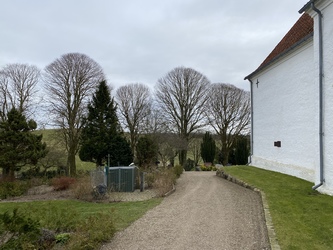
17 88
134 103
228 112
70 81
182 95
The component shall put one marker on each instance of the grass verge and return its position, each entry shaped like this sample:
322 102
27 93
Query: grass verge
81 217
302 217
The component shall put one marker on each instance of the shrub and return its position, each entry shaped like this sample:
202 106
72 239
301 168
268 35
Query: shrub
82 189
88 235
19 231
13 188
150 179
178 170
164 181
208 168
62 183
146 150
62 238
22 230
189 165
208 148
242 150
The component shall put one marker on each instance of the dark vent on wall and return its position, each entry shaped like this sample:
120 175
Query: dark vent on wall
277 144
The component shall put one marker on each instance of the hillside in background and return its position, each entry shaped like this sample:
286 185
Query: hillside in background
52 137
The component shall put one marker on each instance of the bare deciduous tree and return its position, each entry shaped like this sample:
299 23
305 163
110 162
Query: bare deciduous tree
17 88
70 81
154 122
134 103
182 96
194 147
228 112
169 146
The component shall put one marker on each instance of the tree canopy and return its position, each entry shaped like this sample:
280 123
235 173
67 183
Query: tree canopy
134 103
147 150
182 97
70 81
102 135
18 145
228 112
17 88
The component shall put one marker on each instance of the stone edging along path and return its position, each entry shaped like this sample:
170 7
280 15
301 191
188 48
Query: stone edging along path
270 228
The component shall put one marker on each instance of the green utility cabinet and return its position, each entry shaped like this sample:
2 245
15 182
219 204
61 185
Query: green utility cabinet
121 179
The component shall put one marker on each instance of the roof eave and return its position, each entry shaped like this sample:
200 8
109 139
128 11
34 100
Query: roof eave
306 6
279 56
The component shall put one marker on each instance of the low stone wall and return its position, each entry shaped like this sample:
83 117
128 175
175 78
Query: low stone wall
228 177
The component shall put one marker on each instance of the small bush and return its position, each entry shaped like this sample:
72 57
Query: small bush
178 170
150 179
208 168
189 165
82 189
164 181
18 231
62 183
88 235
13 188
62 238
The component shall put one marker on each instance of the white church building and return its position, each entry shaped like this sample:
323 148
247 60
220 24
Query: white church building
292 101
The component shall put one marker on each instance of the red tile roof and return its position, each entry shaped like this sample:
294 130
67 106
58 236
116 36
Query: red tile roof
301 30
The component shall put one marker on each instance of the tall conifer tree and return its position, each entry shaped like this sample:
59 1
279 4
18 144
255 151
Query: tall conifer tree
102 134
208 148
18 146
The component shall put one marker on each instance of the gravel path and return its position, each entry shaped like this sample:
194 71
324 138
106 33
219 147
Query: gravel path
205 212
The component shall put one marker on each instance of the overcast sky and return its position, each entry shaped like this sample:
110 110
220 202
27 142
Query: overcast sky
142 40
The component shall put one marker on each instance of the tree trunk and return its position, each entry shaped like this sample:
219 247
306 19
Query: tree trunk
71 163
182 157
225 149
225 154
133 144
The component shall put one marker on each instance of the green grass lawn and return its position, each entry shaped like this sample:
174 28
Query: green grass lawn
124 213
91 219
302 217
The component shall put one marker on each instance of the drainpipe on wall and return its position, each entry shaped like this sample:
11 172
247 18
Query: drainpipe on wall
321 76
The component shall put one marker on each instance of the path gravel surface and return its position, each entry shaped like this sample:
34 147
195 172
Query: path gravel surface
205 212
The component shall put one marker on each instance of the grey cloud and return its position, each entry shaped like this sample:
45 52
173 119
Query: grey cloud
140 41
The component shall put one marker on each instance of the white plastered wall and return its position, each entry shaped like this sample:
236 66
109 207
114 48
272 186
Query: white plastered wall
285 105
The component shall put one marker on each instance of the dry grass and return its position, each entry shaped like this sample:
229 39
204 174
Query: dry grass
82 189
62 183
164 181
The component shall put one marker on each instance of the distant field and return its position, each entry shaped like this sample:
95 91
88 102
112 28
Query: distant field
52 138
